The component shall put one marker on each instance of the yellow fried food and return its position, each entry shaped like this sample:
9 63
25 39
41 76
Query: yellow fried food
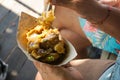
44 42
46 19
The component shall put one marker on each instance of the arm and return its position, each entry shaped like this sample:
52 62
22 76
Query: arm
94 12
112 24
71 30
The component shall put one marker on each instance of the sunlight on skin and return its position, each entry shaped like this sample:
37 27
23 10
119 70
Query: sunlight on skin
78 62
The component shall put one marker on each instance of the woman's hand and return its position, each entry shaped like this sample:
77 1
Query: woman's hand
91 10
80 6
115 3
84 69
51 72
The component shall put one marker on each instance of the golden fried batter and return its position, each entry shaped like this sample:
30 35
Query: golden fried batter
44 41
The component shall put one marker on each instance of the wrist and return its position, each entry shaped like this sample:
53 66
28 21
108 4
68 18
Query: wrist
99 16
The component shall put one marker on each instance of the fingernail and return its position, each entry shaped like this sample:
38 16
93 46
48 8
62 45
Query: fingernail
53 1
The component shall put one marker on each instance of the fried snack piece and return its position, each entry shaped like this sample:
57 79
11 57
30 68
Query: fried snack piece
45 42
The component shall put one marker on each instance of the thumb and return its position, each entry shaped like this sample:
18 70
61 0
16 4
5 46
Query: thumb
41 66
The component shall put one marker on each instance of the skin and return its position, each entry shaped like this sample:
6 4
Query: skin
115 3
78 70
74 35
85 69
95 14
49 72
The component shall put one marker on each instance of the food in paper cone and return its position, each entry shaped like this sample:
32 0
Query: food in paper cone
40 41
45 42
46 47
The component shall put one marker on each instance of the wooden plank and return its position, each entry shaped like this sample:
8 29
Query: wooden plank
28 72
8 38
7 21
3 12
16 61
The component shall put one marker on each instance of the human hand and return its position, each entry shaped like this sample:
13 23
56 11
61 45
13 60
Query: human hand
115 3
52 72
78 70
80 6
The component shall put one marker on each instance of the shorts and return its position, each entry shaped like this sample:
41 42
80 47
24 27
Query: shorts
113 72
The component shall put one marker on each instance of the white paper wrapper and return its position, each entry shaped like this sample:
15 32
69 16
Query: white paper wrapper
28 22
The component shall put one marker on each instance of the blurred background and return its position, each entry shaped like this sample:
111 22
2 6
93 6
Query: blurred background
19 67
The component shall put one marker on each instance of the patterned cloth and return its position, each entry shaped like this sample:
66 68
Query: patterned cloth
99 38
113 72
116 70
107 75
105 42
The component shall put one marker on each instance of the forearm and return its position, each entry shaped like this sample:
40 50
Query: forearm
111 25
95 12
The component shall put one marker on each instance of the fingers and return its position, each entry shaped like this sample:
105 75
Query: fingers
49 72
42 66
109 2
46 68
46 71
64 3
53 1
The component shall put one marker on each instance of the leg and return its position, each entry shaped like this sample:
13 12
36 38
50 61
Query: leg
91 69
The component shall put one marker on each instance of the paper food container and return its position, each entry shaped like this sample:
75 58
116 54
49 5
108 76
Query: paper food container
28 22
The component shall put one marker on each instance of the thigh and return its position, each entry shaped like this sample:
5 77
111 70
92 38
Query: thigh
91 69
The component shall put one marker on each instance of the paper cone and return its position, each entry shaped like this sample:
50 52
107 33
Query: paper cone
28 22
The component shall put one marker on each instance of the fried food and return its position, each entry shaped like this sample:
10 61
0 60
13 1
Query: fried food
45 42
